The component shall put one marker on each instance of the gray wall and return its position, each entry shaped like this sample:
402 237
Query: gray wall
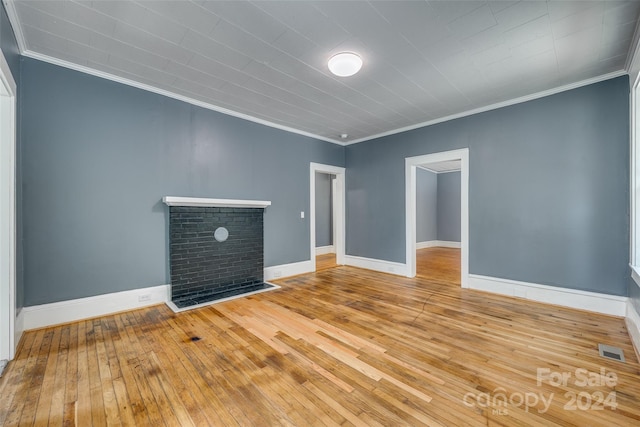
449 206
98 156
548 188
437 206
11 53
426 206
324 210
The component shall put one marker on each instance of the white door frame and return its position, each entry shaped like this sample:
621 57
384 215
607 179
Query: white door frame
7 211
338 208
411 163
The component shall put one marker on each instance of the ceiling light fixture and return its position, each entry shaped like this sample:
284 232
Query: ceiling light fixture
345 64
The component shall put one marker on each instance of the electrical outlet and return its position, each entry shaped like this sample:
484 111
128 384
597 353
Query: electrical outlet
302 214
277 274
144 298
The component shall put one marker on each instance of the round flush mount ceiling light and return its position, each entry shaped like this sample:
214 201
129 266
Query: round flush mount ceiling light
345 64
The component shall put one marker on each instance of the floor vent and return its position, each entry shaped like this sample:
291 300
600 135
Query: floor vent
610 352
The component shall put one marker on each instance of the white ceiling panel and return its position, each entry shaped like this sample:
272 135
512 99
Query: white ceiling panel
423 60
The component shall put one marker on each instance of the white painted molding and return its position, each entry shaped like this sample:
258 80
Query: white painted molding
40 316
12 14
8 218
19 327
632 64
583 300
323 250
495 106
438 244
411 165
169 94
376 265
288 270
339 212
214 203
632 320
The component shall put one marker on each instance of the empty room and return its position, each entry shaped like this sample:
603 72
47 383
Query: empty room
319 213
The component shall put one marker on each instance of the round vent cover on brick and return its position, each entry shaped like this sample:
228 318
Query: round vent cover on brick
221 234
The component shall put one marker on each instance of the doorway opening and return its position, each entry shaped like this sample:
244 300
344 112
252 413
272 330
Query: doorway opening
438 221
7 213
326 216
452 235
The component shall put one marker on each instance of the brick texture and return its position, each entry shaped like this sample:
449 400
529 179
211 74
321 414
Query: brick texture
205 269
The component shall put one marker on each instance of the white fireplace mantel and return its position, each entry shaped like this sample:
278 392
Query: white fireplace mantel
214 203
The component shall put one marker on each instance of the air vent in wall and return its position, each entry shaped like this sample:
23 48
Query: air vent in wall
610 352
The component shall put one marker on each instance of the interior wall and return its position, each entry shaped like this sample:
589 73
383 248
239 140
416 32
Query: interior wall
448 207
541 209
426 206
11 53
99 156
324 210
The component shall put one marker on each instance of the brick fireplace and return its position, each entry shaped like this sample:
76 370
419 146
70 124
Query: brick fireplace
216 250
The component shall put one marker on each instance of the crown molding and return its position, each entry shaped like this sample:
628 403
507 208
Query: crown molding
12 14
634 54
169 94
495 106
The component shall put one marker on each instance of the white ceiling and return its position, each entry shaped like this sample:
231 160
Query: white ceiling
443 167
266 60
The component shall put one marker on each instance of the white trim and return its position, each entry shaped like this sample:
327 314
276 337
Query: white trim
339 202
634 177
8 92
438 244
632 320
633 57
583 300
389 267
19 327
323 250
40 316
169 94
411 163
214 203
495 106
288 270
15 24
177 309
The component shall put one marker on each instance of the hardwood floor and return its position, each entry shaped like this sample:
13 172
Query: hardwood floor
325 261
342 346
437 263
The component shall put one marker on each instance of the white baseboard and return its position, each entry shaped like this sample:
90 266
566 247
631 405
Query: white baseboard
19 327
437 243
632 320
40 316
323 250
287 270
376 265
591 301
